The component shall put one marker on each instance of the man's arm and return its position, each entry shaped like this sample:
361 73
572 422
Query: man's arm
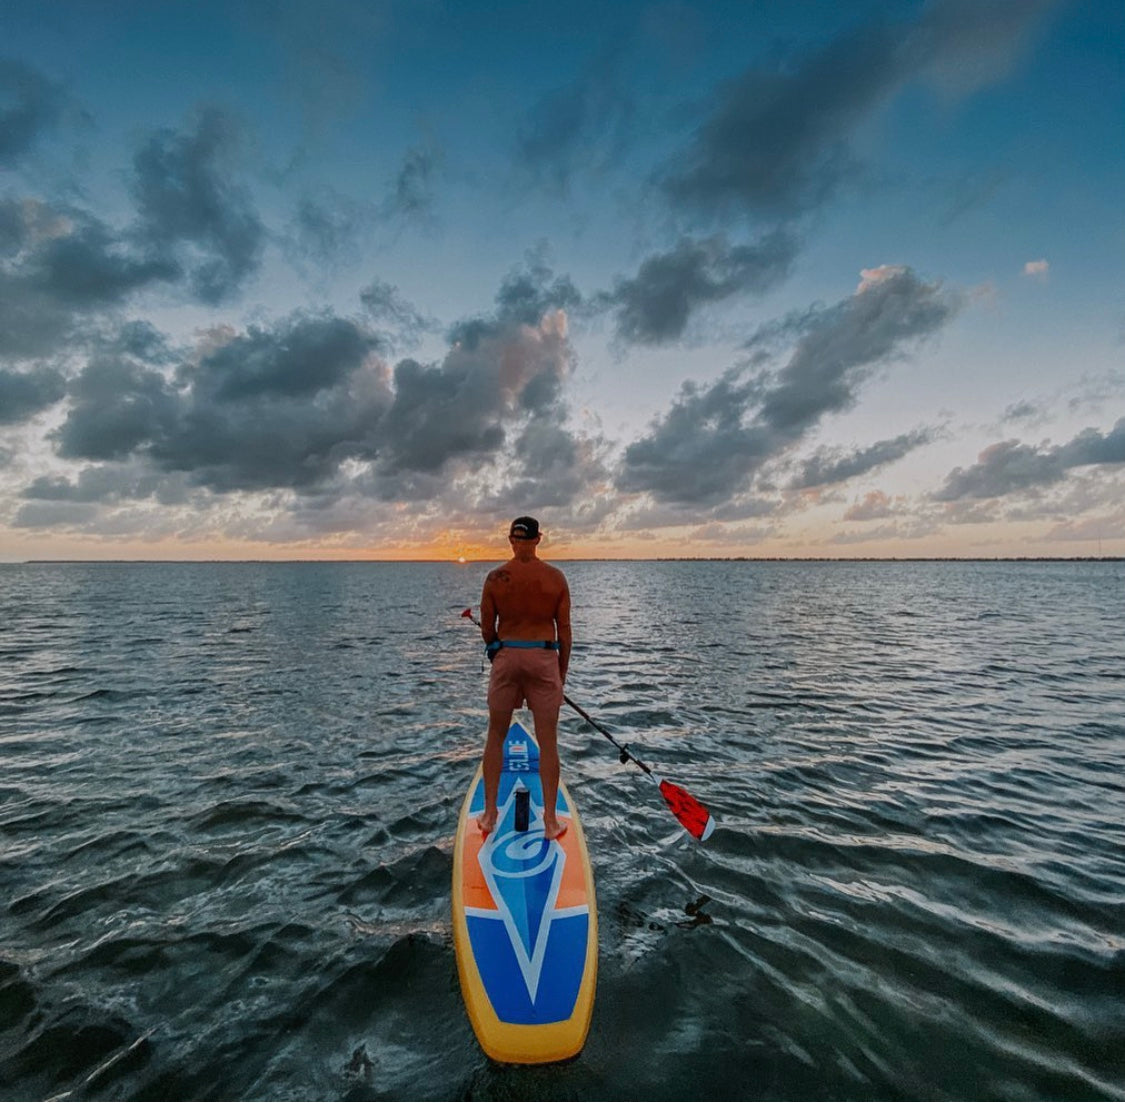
488 612
562 627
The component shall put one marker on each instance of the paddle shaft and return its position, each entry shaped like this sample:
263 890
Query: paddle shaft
625 752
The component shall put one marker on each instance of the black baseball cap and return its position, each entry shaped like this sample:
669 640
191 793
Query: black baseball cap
524 528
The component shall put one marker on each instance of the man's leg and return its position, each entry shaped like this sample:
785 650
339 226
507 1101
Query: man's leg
547 735
499 721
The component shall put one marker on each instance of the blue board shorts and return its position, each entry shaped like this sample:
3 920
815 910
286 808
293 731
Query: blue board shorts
530 675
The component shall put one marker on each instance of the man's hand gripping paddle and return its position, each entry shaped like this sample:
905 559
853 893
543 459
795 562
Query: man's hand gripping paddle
693 817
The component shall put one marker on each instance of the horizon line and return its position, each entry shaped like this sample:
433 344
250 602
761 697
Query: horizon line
617 559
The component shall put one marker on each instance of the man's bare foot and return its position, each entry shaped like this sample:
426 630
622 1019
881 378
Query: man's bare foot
486 822
554 831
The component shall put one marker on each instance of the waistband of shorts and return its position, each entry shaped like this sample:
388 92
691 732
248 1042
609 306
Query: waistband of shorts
548 645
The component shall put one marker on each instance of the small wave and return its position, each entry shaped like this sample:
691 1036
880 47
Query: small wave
401 881
111 695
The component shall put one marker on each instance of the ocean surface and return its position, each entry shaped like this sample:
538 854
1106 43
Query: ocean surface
228 794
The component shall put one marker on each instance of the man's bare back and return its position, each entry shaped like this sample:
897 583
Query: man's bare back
527 599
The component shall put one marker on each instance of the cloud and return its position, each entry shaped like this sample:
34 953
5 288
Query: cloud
117 405
326 228
829 466
387 308
90 267
700 451
307 405
1010 467
1000 469
713 438
274 407
913 529
24 394
582 125
527 293
1093 447
654 307
552 468
29 105
190 204
59 267
1022 410
1038 269
840 346
498 371
874 506
109 482
412 194
776 143
1089 529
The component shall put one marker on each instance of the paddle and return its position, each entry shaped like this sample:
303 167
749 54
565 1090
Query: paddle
693 817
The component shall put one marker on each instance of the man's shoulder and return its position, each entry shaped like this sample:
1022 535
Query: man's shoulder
499 574
554 572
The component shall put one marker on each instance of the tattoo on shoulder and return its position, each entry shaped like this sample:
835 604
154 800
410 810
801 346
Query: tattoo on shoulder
499 575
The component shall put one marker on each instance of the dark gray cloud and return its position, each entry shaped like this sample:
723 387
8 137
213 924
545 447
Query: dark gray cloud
526 295
306 357
118 405
711 440
24 394
390 311
31 323
1010 467
776 142
188 198
830 466
63 271
655 306
29 105
277 407
289 405
103 483
1092 447
700 451
580 126
90 267
61 268
497 372
13 227
841 345
1023 410
553 468
412 194
327 228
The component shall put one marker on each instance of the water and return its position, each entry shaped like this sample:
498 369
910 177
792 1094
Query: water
229 793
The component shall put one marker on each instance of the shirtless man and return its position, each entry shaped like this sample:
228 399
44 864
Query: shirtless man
526 601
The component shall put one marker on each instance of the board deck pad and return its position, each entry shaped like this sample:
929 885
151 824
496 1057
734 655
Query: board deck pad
524 918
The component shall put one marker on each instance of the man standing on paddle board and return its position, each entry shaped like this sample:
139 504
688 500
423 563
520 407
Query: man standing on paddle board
525 622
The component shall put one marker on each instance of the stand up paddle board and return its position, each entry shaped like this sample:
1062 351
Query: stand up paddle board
525 925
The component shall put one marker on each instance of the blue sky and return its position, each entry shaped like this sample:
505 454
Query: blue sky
366 279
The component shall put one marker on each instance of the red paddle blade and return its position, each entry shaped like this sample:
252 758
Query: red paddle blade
696 820
468 612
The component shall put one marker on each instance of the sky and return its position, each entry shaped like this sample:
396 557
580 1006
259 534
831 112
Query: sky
366 280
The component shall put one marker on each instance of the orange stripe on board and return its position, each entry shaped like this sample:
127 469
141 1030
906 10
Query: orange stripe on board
476 894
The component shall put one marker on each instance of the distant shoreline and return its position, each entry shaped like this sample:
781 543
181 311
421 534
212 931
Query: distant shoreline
595 559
